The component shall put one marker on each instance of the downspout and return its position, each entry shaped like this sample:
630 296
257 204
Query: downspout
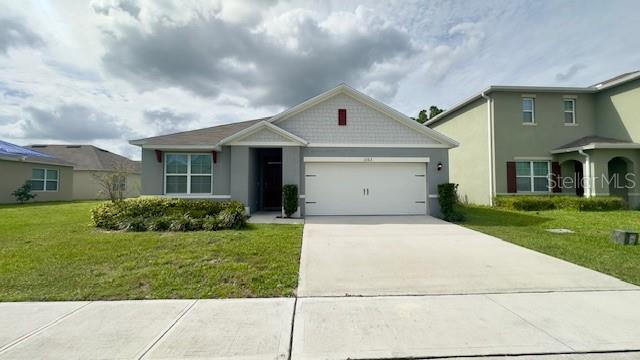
587 172
491 149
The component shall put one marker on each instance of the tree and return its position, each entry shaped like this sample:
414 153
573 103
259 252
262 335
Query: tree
23 193
423 116
113 184
434 111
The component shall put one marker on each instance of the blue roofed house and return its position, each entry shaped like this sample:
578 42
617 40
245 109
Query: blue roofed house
51 178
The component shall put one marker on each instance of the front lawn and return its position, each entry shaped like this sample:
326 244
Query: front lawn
589 246
51 252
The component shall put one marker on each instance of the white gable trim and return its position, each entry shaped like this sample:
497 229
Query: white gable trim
236 139
373 103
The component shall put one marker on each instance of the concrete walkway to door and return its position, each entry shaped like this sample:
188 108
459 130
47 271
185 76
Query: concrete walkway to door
418 255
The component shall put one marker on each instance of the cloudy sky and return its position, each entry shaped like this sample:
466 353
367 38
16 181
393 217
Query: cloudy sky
105 71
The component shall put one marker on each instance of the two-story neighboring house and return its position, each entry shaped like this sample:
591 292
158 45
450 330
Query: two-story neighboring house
545 140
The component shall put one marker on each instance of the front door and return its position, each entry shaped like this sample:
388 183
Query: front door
579 178
272 182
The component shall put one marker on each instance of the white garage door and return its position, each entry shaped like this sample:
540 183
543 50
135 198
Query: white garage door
342 188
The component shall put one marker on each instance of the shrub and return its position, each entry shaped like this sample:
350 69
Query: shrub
290 199
23 193
133 224
162 214
448 199
551 202
210 223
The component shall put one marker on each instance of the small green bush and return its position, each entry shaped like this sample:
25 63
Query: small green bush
448 199
210 223
290 199
162 214
23 193
551 202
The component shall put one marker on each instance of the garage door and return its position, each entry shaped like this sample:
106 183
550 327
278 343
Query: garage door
342 188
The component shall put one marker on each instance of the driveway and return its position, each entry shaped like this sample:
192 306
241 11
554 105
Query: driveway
418 255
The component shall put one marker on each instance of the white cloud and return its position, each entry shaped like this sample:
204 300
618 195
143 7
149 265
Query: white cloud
155 66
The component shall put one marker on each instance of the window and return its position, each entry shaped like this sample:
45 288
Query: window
528 110
532 176
44 180
188 173
569 111
120 183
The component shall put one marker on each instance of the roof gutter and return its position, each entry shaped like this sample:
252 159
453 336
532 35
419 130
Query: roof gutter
587 172
491 146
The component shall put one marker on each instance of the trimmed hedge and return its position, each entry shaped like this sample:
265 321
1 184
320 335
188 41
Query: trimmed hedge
290 199
166 214
538 203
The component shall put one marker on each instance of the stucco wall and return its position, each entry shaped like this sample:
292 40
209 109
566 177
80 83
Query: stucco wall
15 173
469 162
365 125
513 139
86 187
618 112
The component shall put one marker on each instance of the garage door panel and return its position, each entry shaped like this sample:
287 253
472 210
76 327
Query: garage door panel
365 188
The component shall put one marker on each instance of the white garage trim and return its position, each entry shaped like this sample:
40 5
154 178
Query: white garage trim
343 159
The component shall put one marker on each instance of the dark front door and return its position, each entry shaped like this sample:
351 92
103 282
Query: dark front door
579 178
272 182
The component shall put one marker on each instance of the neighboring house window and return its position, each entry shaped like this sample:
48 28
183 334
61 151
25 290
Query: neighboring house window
120 183
569 111
44 180
528 110
532 176
188 173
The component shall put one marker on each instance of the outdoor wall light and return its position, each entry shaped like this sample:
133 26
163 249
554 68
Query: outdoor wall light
440 166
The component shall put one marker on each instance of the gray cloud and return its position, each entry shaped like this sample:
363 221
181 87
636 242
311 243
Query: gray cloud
71 123
207 56
167 120
105 7
570 73
14 34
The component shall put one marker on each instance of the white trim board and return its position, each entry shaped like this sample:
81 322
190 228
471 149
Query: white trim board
366 159
295 140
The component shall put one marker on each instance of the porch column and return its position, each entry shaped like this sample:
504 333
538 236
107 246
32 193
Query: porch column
239 179
291 170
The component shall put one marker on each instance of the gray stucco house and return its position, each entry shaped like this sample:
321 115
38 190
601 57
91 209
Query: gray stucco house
516 140
348 154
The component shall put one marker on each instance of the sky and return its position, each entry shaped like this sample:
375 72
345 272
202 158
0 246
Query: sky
103 72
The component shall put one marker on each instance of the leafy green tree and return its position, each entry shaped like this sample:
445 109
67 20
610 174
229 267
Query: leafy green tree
424 115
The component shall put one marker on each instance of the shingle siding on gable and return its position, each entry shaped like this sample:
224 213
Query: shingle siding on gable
319 124
265 135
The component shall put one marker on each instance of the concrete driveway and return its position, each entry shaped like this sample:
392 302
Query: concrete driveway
418 255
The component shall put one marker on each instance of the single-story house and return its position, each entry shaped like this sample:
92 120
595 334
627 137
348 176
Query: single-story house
51 178
348 154
91 164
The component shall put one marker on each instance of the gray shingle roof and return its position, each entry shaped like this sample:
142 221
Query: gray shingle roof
588 140
207 136
89 157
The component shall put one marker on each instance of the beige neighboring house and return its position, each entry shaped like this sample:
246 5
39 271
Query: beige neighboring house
90 163
50 177
518 140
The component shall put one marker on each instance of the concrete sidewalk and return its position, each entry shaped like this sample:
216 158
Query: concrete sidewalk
327 328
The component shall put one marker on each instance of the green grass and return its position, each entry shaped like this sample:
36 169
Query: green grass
590 245
49 251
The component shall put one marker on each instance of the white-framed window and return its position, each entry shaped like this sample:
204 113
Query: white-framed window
43 179
188 173
528 110
569 111
533 176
